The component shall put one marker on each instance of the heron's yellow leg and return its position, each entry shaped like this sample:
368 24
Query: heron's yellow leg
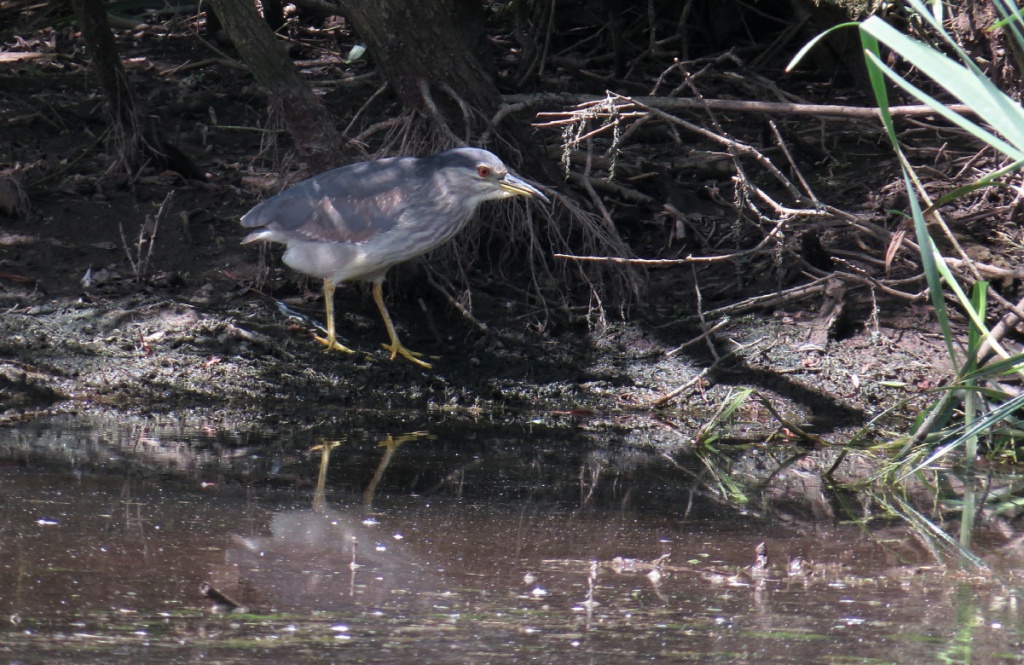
395 347
330 342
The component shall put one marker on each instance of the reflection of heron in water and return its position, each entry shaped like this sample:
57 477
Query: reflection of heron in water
390 444
319 498
329 560
324 558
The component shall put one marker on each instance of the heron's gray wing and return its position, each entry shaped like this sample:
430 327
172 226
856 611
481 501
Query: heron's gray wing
352 204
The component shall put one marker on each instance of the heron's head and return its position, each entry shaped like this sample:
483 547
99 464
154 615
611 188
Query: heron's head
474 176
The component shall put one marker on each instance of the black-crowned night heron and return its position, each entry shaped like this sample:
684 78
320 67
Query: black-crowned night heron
355 222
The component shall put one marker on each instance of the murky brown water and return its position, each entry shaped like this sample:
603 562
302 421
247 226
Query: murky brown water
475 544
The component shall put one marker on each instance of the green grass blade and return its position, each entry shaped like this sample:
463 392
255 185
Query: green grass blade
927 527
996 369
1012 19
989 180
979 426
937 26
979 303
877 79
814 42
968 85
969 126
931 269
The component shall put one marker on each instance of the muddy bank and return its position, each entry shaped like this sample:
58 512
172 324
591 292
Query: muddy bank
217 343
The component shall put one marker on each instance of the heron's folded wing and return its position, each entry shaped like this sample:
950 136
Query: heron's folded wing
353 204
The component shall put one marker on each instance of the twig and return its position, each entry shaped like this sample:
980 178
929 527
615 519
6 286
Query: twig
668 397
1009 321
627 193
377 93
480 325
987 270
547 40
704 335
772 299
792 163
638 262
138 262
679 390
699 299
871 281
731 144
243 128
199 64
585 181
735 105
66 167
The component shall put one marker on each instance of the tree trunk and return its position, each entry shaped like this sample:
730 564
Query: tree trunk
134 141
308 122
433 53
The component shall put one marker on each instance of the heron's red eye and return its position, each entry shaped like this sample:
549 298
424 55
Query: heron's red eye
483 171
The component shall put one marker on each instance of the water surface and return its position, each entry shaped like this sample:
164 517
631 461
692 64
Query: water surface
449 542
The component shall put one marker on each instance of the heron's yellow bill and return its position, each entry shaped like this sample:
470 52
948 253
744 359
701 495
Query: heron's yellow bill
519 187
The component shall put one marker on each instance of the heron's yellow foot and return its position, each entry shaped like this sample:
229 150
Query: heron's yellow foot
331 344
398 349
